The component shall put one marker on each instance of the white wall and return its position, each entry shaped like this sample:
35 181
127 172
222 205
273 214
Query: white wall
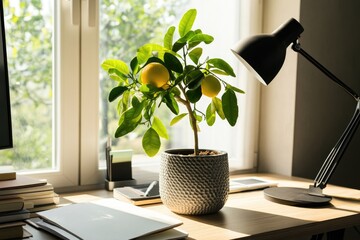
277 111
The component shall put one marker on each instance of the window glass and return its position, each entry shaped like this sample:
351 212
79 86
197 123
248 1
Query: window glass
29 34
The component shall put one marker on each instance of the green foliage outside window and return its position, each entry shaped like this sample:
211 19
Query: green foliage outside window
29 36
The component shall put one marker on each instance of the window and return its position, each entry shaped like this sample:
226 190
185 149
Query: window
42 90
59 91
122 32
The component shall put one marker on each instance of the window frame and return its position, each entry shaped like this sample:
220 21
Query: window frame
66 114
77 118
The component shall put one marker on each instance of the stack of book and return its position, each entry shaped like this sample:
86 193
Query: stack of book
20 196
34 194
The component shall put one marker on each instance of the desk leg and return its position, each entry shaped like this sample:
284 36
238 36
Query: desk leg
336 235
333 235
317 237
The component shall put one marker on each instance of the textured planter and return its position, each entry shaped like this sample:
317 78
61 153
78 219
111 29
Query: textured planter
193 185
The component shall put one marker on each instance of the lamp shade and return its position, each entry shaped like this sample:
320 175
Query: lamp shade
264 54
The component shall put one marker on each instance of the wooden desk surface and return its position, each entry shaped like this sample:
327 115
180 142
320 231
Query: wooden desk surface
248 215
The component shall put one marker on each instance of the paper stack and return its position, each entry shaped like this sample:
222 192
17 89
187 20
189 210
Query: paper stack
108 219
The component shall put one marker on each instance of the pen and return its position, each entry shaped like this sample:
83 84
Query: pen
151 186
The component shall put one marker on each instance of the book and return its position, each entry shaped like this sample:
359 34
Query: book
40 201
33 200
95 220
13 230
42 188
21 181
138 194
7 175
29 195
13 204
14 216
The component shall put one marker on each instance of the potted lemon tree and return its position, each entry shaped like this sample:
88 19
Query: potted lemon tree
192 181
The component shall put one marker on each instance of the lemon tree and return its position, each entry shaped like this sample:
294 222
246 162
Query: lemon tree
175 72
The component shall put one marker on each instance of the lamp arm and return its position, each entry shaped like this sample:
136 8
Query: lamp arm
334 157
297 48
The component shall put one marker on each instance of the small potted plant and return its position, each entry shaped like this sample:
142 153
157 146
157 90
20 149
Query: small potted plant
171 74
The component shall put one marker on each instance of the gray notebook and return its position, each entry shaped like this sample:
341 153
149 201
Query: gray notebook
108 219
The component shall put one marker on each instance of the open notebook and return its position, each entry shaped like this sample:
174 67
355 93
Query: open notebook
106 219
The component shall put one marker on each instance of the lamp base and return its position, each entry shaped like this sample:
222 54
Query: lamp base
296 196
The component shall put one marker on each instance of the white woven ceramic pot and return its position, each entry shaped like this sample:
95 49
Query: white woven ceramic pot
193 185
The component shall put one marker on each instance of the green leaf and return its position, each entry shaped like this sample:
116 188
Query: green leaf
181 42
148 50
125 128
198 117
129 120
238 90
194 79
134 65
148 89
222 65
151 142
135 102
195 55
218 107
178 45
159 127
116 75
171 103
175 91
149 110
187 22
116 92
168 38
177 118
173 63
210 114
230 107
219 72
154 59
116 64
201 37
194 95
124 102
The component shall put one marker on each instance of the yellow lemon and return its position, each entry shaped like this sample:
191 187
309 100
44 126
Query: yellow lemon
210 86
155 74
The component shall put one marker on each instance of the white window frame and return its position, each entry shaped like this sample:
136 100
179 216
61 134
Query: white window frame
66 98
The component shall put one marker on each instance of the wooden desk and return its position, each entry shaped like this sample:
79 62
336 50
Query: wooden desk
248 215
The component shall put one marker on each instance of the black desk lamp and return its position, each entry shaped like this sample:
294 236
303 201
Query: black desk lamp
264 55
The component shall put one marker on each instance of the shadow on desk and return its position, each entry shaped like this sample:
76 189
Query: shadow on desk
248 222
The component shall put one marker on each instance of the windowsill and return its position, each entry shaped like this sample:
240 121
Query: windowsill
144 170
